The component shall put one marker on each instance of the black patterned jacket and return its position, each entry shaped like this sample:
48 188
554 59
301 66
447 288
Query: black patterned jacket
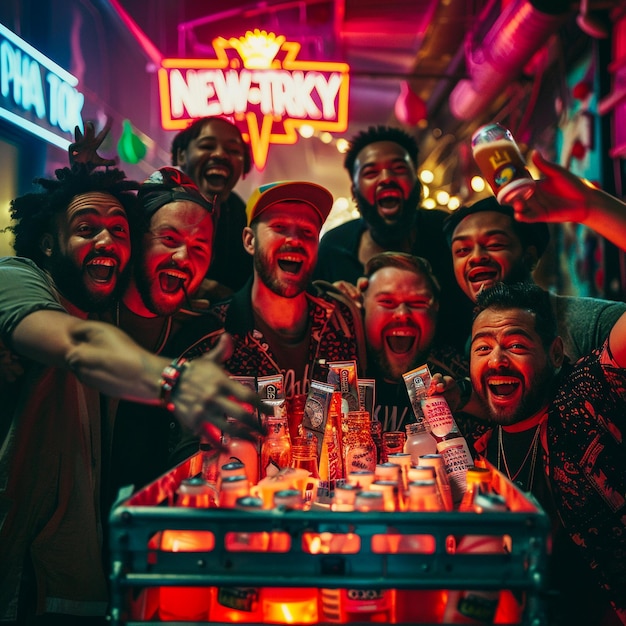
584 459
336 334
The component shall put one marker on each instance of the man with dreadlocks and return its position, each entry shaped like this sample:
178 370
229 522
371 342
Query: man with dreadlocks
73 246
382 165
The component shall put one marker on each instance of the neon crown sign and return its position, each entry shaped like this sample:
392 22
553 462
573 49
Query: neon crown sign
259 81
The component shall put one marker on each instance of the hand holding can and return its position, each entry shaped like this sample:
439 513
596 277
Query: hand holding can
500 162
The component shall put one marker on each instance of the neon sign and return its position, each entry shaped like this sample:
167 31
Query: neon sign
258 80
36 94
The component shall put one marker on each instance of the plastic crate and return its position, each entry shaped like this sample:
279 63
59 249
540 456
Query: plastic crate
141 564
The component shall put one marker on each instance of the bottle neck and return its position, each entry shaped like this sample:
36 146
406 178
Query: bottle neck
276 427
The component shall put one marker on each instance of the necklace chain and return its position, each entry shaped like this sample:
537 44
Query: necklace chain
531 452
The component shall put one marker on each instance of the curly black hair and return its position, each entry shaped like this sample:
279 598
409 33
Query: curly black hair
522 295
379 133
187 135
34 214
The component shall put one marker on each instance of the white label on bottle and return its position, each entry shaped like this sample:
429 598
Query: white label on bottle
438 415
456 458
239 598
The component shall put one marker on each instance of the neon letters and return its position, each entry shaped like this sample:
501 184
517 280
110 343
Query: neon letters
36 93
257 80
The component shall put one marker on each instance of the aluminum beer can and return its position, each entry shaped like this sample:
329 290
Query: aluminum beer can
500 161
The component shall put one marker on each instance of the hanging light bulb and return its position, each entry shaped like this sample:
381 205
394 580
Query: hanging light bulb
426 176
477 183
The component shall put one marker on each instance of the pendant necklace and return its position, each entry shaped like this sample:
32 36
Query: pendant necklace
530 453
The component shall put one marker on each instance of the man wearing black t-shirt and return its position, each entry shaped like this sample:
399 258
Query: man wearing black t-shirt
382 164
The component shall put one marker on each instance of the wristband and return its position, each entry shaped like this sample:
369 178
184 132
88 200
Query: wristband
170 377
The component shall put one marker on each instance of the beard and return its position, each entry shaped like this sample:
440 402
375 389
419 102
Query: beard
70 281
388 234
533 399
519 273
147 284
281 287
392 372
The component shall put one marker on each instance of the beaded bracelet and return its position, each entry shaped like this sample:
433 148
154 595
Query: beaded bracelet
170 377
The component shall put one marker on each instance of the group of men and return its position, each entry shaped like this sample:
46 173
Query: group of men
391 290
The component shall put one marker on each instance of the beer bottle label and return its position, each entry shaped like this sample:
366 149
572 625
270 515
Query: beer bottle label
479 606
360 458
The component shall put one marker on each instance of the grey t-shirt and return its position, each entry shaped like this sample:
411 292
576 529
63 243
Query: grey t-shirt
25 289
584 323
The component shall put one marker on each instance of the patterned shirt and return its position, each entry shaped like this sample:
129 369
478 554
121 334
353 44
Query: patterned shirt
584 459
335 327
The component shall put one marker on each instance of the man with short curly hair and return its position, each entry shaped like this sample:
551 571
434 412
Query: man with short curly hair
401 309
382 164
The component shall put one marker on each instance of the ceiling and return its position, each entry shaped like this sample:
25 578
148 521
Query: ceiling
420 44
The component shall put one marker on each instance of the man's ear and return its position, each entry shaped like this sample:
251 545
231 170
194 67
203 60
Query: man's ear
248 240
556 353
352 191
46 244
181 158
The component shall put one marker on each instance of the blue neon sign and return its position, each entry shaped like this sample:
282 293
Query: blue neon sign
36 94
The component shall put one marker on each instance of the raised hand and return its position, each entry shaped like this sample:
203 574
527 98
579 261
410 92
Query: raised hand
84 149
559 196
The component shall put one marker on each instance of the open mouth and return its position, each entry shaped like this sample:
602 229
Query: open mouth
482 275
172 281
217 175
389 202
504 388
290 265
400 341
101 270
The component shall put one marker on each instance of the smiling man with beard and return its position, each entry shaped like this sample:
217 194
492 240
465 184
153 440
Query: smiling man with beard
172 249
559 431
212 152
382 164
489 246
54 432
400 307
280 322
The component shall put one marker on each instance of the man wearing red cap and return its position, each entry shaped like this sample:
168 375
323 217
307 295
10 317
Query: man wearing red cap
279 321
172 250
